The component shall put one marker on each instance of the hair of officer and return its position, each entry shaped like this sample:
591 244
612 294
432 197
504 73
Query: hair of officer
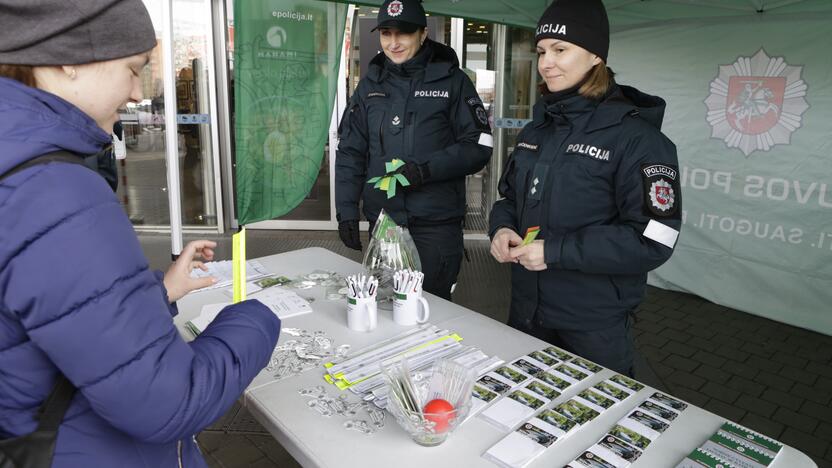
597 82
22 73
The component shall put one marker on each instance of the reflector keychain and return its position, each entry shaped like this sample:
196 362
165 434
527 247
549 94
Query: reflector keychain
531 235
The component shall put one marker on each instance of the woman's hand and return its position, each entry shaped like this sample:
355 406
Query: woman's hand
503 241
531 256
178 279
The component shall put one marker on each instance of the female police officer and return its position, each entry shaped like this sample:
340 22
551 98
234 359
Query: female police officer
414 104
594 172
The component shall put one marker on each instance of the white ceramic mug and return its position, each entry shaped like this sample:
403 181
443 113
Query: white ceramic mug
410 309
362 314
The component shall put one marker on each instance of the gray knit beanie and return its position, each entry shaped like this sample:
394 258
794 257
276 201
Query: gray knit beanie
72 32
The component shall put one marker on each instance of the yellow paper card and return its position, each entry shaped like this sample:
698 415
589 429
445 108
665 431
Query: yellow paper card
238 265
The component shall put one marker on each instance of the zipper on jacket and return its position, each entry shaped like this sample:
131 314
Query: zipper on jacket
179 452
381 132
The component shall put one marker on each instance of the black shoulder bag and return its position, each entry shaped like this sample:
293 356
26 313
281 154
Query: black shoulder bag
36 450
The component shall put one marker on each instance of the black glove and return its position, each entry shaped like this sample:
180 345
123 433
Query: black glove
416 174
349 233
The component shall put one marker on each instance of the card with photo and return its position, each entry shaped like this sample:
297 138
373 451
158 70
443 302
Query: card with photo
597 398
626 382
557 353
557 420
512 374
577 411
497 385
526 399
537 434
645 419
631 436
587 365
527 367
555 381
611 390
542 390
668 401
484 394
571 372
658 410
592 460
619 447
543 358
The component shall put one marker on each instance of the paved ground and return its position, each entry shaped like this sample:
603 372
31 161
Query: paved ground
771 377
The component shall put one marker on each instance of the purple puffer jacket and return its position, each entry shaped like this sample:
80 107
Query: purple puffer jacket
76 296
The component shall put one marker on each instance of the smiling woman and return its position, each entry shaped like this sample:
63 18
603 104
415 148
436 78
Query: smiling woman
579 174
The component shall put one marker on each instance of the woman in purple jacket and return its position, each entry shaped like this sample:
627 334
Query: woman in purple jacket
76 295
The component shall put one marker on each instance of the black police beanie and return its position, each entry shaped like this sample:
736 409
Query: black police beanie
405 15
581 22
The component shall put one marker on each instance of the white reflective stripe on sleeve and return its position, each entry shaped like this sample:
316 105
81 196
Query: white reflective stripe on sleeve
486 140
661 233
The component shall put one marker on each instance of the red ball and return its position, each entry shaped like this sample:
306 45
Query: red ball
440 412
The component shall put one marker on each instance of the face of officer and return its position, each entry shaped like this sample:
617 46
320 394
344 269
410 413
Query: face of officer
563 64
400 46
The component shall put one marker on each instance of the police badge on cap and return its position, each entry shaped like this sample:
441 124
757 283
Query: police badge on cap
405 15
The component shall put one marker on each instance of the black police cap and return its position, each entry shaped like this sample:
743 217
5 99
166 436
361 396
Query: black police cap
404 15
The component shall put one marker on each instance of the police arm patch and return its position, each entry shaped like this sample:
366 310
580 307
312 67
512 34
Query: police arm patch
478 112
662 195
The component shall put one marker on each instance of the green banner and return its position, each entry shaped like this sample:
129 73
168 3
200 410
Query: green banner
286 61
750 110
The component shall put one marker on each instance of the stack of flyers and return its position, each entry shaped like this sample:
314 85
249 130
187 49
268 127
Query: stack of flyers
557 353
578 410
543 390
701 459
634 435
542 360
481 397
528 366
755 439
647 420
595 399
553 380
518 406
512 374
569 373
626 382
532 438
521 447
656 412
494 383
612 390
592 460
736 451
733 446
587 366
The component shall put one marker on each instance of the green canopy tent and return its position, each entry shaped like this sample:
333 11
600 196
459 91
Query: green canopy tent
758 231
624 14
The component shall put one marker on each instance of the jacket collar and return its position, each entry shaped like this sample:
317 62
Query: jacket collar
619 102
561 106
441 61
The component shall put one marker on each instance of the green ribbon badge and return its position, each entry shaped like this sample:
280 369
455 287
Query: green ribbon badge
387 183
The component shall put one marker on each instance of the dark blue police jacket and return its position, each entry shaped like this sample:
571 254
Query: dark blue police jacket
425 111
602 182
